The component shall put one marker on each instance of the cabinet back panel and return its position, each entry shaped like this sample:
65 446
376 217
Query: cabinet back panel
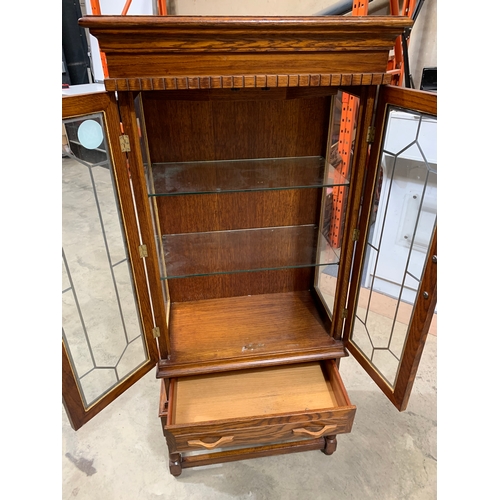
217 129
240 284
198 130
214 212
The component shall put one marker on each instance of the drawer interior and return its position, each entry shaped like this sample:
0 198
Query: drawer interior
305 387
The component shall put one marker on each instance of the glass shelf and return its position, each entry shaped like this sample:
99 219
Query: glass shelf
204 177
245 250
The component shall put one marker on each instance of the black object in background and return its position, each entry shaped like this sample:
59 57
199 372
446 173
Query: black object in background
429 80
74 43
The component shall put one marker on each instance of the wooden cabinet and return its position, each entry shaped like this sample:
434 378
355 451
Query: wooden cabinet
247 156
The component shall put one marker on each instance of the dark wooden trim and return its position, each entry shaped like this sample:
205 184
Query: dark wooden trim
168 368
330 445
245 94
254 452
85 104
194 24
72 401
174 464
421 101
419 328
247 81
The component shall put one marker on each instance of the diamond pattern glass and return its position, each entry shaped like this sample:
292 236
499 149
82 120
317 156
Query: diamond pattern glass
403 218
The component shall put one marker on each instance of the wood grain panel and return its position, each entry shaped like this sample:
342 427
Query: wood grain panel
212 212
211 34
264 129
240 64
251 393
179 130
229 285
240 328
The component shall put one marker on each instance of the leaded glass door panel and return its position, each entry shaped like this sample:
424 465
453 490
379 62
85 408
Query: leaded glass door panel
107 321
391 308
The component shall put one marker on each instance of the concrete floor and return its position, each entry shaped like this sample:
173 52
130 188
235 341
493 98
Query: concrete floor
121 454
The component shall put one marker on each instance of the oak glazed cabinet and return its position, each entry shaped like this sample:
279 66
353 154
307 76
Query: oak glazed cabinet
255 223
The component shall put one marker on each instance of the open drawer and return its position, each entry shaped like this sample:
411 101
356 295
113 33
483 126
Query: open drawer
255 407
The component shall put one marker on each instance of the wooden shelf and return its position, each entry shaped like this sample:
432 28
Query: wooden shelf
245 332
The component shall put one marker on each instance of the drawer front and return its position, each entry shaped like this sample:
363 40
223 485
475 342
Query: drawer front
263 433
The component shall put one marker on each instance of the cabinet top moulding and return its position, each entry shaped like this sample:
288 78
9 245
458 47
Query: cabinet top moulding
149 52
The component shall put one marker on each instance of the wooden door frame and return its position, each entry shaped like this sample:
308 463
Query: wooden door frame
80 106
424 102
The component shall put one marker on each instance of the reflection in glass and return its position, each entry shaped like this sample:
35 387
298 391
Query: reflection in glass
202 177
148 176
101 328
403 219
244 250
342 135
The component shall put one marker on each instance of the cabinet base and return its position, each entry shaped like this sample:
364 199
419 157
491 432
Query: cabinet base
177 463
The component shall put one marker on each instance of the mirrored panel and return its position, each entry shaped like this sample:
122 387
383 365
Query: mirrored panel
402 223
343 123
101 328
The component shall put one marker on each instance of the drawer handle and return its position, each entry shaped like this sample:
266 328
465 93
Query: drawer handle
209 446
326 428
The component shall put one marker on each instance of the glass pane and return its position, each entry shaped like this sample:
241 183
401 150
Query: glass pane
403 219
342 134
243 201
217 252
148 176
101 327
242 175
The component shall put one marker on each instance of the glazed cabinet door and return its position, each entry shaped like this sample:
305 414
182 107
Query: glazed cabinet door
107 321
393 294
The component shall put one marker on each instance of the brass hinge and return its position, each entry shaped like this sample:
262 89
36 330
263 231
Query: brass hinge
344 314
156 332
124 144
355 235
370 136
143 251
